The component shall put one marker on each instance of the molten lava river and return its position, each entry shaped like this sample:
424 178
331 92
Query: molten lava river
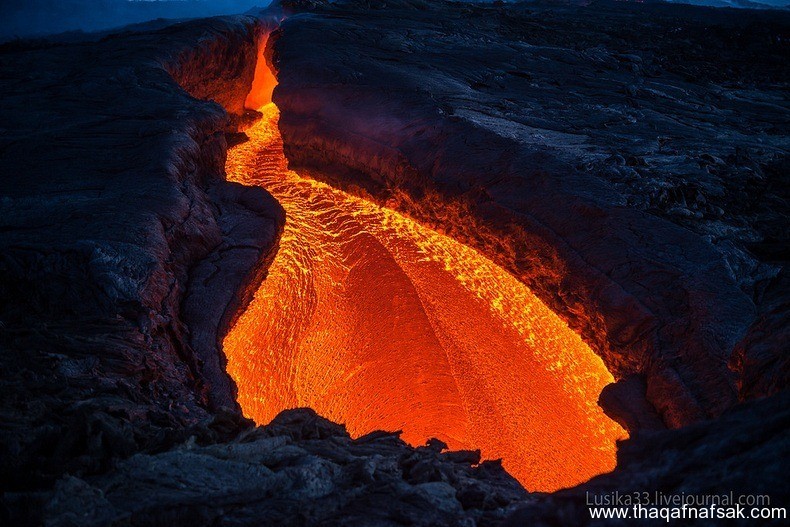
378 322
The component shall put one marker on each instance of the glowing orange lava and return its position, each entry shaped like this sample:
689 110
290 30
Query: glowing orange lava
263 81
377 322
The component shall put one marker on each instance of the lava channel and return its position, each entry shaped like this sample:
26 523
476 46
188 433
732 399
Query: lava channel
380 323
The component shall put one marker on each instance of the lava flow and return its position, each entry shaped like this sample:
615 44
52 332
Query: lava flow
378 322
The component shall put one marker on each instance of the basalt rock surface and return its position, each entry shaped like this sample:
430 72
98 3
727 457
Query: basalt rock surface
628 162
302 470
123 251
299 470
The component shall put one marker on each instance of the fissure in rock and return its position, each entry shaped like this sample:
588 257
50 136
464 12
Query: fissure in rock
378 322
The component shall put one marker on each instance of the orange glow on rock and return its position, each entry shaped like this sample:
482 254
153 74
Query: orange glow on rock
263 82
378 322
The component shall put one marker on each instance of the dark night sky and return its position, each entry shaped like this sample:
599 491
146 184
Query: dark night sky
30 18
25 18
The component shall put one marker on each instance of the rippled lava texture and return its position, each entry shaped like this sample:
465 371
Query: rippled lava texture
380 323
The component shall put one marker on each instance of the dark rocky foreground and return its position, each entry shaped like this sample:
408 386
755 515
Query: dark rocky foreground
124 252
628 162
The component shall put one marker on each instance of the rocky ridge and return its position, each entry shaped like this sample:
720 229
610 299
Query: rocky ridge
627 162
123 250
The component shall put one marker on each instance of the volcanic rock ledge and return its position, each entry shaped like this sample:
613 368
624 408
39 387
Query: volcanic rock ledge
299 470
123 252
628 162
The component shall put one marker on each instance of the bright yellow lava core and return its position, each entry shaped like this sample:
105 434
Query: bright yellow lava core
378 322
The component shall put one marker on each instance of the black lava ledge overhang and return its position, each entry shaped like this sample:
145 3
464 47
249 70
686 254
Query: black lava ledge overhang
635 185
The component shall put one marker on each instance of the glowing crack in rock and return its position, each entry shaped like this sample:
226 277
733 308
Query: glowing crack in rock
378 322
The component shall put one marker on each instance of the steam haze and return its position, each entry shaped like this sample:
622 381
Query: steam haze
35 18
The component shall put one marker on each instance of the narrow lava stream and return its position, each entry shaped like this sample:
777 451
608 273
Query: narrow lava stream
378 322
